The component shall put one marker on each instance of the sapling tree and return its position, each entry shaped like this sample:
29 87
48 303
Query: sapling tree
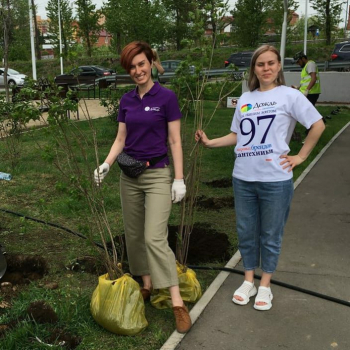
74 153
13 120
190 86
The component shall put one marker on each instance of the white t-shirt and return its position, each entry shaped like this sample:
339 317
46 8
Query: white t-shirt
311 67
264 122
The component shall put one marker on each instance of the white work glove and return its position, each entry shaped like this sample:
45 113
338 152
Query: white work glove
101 172
306 92
178 190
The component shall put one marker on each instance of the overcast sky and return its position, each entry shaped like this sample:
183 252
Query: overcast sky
41 4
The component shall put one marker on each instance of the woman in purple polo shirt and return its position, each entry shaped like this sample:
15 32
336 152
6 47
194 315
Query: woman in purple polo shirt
149 121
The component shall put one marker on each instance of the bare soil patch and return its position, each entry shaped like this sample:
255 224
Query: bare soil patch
204 202
21 270
206 244
220 183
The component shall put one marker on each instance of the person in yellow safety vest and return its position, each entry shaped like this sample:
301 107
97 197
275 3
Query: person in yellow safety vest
310 84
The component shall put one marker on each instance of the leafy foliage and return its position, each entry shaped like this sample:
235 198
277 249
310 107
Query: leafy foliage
66 24
250 21
88 21
328 15
136 20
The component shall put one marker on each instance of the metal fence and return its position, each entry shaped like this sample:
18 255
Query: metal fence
238 73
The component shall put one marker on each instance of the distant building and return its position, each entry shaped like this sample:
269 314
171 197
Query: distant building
227 25
104 38
46 47
43 25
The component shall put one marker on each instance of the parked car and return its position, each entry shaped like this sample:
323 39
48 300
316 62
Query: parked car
96 71
242 59
13 77
341 51
170 67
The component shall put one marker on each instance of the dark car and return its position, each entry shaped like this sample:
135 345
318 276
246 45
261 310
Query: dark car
94 71
170 67
341 51
242 59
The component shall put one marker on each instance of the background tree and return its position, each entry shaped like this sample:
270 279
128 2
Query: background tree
66 24
328 15
6 23
132 23
88 23
198 19
115 25
180 12
275 12
214 13
19 34
249 21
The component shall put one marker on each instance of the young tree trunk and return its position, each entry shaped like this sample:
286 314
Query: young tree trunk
88 46
6 22
119 43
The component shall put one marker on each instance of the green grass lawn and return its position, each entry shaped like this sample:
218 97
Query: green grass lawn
40 191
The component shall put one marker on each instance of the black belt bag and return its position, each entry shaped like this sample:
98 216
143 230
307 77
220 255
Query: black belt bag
133 167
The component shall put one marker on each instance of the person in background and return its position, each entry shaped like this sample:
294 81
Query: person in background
261 129
157 67
310 84
149 123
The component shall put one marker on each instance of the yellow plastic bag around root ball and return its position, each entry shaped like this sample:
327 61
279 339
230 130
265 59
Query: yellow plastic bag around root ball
190 289
118 305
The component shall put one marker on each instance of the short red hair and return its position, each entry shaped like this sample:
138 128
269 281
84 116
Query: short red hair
133 49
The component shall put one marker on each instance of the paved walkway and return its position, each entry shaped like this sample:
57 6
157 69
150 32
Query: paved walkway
88 109
315 256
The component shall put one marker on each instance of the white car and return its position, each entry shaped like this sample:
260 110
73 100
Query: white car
13 77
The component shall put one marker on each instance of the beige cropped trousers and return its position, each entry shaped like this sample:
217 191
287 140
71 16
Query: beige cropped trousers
146 204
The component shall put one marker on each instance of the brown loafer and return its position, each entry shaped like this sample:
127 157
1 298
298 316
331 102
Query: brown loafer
182 318
146 293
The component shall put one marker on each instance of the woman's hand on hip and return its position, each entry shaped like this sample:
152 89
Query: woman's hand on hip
290 162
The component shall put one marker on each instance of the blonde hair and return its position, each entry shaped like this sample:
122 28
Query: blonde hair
155 55
253 82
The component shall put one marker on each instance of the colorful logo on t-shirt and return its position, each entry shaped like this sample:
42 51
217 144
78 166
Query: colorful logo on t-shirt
246 108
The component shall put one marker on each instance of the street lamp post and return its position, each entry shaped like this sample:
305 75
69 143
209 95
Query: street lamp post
284 32
346 17
32 40
305 27
60 34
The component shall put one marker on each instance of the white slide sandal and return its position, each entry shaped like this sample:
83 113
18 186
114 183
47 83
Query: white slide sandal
264 296
245 291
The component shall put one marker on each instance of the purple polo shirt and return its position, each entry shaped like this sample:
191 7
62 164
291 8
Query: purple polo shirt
147 122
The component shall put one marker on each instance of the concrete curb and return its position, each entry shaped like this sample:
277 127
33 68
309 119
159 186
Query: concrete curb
197 310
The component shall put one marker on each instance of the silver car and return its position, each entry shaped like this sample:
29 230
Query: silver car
13 77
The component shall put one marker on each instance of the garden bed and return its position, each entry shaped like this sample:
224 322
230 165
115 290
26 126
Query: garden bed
53 268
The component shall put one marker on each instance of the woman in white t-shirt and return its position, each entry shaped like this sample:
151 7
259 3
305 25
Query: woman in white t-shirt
261 129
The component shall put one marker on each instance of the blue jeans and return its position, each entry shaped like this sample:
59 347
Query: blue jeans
262 210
